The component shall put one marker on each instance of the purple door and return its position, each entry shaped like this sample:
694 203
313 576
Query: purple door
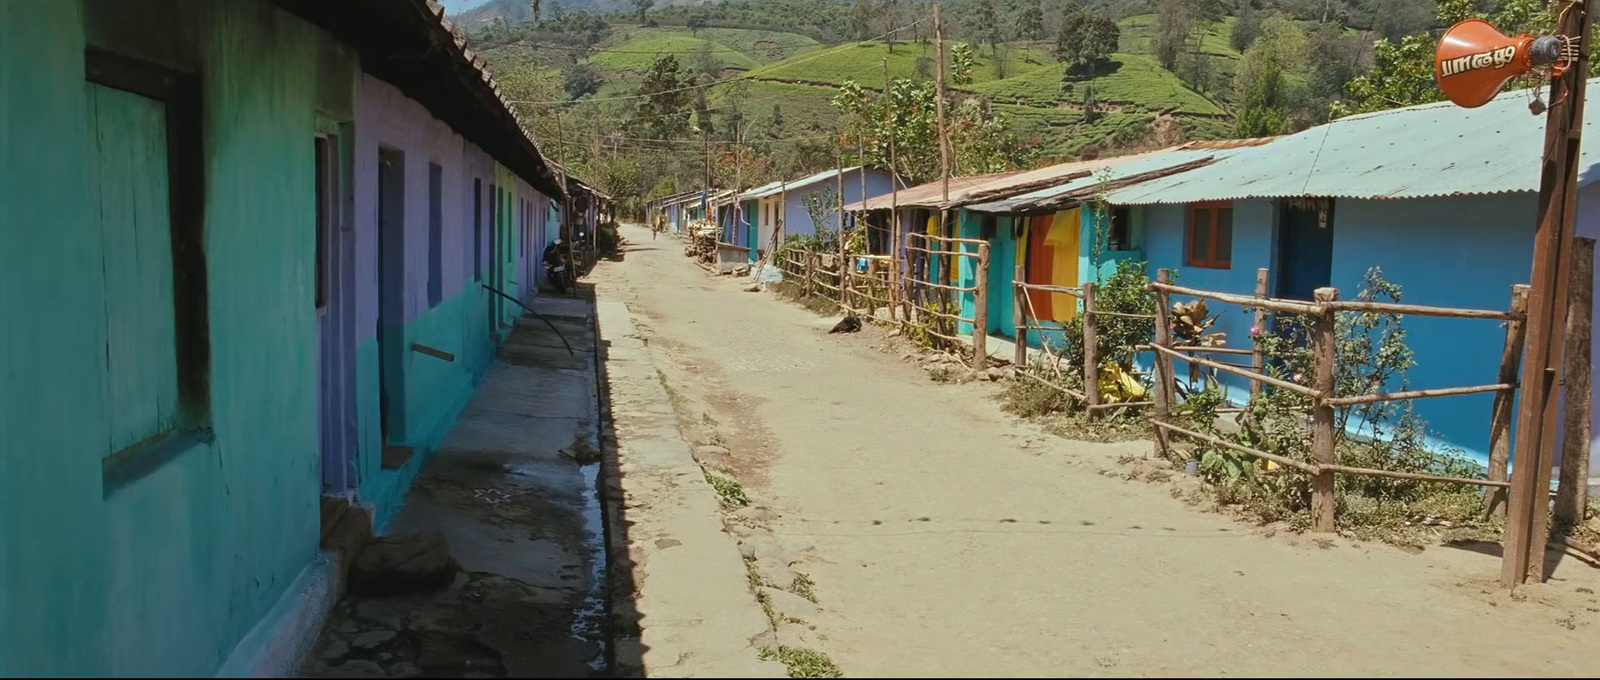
335 304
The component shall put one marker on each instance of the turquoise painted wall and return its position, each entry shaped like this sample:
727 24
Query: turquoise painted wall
54 617
165 571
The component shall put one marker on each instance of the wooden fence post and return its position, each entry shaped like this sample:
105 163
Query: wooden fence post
1164 386
1019 318
1258 358
811 271
1322 357
980 311
1572 494
1494 501
1091 359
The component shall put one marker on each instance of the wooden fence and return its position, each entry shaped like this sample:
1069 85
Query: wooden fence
919 297
1027 319
1320 312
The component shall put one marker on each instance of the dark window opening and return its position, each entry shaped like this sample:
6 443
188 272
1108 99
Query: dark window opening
1121 223
1210 235
435 234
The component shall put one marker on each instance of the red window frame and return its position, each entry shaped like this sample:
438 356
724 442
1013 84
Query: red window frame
1202 246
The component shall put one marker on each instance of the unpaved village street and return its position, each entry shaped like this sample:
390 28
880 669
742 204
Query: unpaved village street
946 538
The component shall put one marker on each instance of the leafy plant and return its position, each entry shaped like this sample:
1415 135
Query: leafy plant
1191 320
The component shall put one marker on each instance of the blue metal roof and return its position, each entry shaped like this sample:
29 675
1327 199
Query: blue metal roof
1130 169
1415 152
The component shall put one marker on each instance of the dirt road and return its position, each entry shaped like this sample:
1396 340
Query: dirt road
951 539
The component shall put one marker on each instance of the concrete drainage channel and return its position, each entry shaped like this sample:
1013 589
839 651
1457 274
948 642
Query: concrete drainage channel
496 564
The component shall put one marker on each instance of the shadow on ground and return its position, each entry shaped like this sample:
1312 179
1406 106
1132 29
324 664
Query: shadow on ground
516 487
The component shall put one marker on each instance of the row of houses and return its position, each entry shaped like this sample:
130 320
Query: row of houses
1442 199
249 250
750 219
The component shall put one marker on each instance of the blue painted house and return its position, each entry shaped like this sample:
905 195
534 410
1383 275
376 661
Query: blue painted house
228 228
784 202
1441 198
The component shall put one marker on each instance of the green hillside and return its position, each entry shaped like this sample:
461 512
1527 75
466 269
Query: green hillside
636 55
1133 82
863 62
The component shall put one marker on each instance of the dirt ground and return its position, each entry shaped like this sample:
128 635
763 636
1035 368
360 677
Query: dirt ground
947 538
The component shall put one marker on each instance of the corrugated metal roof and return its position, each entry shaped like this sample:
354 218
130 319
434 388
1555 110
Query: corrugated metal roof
928 194
771 188
1118 172
980 188
1415 152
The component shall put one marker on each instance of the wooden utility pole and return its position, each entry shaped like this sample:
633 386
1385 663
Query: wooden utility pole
1572 493
939 274
705 143
1323 518
944 138
896 255
569 222
1528 517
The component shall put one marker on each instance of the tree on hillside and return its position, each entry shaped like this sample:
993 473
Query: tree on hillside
1085 39
1335 56
663 100
775 122
702 114
581 80
695 23
1030 20
706 63
1265 99
733 120
1180 30
643 6
1402 72
987 25
1248 26
861 19
1091 105
534 5
890 10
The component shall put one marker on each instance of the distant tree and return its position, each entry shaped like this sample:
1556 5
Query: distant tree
695 23
1069 36
705 62
1091 105
1395 19
1402 72
1247 27
987 25
775 122
1172 26
664 99
534 5
1265 100
861 19
961 64
1334 57
1085 39
642 7
733 118
1030 20
923 66
581 80
890 11
702 114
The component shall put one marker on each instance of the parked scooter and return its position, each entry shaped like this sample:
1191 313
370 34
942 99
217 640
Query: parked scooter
557 270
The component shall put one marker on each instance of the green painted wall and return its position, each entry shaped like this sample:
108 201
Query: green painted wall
162 574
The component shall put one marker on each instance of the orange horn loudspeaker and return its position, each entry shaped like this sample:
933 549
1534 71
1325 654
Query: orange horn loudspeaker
1474 60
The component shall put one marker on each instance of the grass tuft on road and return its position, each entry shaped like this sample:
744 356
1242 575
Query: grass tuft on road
803 662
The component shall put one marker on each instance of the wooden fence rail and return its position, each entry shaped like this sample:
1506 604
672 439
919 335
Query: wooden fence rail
1321 312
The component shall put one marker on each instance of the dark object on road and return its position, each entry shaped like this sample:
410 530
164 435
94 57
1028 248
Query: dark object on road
849 324
403 564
